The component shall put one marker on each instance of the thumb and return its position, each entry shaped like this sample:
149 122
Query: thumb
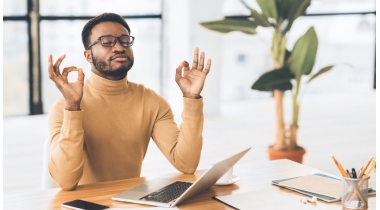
80 76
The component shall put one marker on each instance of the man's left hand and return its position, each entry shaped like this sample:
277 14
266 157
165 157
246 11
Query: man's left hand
191 81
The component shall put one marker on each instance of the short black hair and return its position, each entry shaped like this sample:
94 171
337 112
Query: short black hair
105 17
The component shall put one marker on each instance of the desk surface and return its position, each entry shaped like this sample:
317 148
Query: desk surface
254 176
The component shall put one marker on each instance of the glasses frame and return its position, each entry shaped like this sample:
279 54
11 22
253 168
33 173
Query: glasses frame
114 41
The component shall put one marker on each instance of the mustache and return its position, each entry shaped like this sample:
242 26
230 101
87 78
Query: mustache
119 55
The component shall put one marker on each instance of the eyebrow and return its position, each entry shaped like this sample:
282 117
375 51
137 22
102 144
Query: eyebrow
113 35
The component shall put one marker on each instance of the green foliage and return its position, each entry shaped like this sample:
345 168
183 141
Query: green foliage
279 15
268 7
323 70
276 79
259 18
290 10
304 53
228 25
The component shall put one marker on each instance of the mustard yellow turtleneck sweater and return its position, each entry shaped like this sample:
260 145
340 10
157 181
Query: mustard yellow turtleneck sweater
108 138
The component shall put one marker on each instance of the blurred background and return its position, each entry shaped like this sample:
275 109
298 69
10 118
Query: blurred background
337 110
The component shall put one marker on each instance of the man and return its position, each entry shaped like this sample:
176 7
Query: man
100 129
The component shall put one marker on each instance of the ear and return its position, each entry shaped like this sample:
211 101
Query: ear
87 55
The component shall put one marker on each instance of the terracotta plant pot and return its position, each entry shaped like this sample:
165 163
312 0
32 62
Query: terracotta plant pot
294 155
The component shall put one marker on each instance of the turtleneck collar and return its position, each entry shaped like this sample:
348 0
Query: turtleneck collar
107 86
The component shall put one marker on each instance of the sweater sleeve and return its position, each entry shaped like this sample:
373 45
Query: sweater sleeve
66 146
181 146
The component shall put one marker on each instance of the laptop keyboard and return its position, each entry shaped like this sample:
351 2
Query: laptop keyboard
168 193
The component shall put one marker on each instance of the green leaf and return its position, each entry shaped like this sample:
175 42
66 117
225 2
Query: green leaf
323 70
283 8
304 53
276 79
260 19
228 25
297 9
268 7
289 10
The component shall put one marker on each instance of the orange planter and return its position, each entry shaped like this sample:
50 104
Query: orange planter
294 155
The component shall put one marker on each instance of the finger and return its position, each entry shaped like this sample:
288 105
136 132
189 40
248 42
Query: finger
80 76
178 73
50 67
195 59
186 66
208 67
66 72
201 62
58 63
69 69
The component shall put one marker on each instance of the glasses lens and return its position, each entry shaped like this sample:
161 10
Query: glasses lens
125 40
108 41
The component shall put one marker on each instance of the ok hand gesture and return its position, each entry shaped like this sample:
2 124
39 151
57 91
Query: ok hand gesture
191 81
73 91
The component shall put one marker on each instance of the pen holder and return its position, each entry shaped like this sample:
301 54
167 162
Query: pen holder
355 193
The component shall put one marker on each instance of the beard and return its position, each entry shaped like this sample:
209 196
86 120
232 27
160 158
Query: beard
105 68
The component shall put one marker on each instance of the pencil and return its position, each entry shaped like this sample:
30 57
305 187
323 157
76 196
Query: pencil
341 169
362 182
370 169
365 168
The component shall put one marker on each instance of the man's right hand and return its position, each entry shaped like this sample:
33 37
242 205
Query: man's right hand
73 91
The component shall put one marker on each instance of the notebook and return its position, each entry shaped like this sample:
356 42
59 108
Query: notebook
266 199
324 187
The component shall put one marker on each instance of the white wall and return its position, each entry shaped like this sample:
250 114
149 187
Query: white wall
182 33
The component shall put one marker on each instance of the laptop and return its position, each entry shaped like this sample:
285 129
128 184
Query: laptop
169 192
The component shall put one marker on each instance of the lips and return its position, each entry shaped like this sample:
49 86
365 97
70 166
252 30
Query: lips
120 57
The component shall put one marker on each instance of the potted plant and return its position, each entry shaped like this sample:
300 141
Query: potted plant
291 67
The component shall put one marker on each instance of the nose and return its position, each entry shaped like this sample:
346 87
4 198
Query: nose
118 48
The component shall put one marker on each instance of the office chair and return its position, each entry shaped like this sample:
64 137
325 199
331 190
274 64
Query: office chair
47 180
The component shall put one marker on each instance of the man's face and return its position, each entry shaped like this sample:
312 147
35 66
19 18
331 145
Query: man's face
110 62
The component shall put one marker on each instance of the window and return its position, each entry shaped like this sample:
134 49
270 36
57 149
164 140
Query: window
57 42
15 68
27 87
14 7
341 43
346 33
96 7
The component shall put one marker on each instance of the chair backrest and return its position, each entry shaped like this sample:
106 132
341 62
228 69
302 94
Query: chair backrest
47 181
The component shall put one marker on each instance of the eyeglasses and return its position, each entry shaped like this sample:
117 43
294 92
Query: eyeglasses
110 41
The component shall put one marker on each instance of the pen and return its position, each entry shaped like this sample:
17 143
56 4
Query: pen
354 173
361 173
354 176
348 173
366 176
340 168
